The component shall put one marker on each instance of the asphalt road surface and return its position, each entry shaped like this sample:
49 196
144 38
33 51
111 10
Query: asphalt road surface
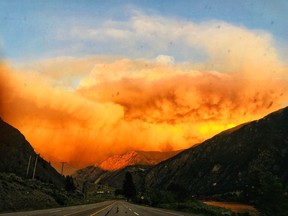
108 208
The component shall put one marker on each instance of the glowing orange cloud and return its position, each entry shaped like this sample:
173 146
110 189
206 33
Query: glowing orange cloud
82 110
164 112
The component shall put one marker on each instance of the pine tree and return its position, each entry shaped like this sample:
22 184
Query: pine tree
129 189
69 184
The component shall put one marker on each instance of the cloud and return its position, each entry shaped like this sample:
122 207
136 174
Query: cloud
164 93
217 44
57 122
164 59
82 110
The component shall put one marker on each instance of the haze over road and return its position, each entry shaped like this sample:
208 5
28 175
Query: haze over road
107 208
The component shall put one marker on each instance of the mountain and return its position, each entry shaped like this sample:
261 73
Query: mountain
90 173
112 179
18 190
228 161
116 178
15 152
120 161
112 171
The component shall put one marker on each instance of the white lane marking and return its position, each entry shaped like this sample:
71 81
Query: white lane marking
101 210
130 209
136 213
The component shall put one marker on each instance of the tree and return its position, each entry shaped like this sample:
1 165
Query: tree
129 189
69 184
267 192
85 187
179 192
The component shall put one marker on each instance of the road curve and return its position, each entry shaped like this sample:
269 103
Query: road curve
107 208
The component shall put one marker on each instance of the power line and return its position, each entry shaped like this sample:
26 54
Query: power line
35 166
28 166
62 169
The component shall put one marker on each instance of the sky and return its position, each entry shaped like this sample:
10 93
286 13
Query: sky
84 80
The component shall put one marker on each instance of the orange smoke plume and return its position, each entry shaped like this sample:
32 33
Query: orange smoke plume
82 110
162 107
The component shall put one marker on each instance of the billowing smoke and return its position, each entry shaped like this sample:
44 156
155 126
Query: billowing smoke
82 110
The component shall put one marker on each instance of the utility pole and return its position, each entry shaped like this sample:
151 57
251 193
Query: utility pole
62 169
28 166
35 167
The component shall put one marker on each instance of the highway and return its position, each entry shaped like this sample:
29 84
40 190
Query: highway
107 208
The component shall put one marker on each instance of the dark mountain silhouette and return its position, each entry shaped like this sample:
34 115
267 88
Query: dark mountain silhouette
90 173
116 178
227 162
15 152
112 170
112 179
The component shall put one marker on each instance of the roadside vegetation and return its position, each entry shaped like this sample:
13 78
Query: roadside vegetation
172 201
175 198
265 191
20 194
268 193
